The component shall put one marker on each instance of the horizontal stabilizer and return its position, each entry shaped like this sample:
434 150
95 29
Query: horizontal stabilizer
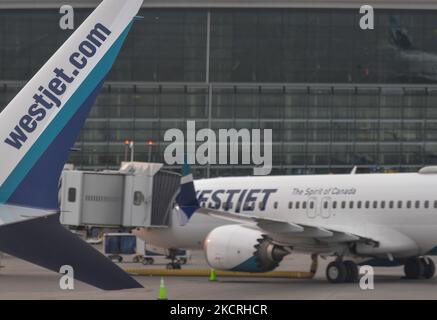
45 242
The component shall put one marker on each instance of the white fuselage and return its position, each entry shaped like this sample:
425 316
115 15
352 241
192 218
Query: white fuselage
400 209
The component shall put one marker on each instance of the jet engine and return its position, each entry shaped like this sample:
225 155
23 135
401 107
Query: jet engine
239 248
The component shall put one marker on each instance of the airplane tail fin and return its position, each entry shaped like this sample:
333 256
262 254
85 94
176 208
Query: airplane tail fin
38 128
40 125
399 36
186 199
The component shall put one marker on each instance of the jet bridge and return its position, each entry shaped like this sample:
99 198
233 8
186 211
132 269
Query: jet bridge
136 195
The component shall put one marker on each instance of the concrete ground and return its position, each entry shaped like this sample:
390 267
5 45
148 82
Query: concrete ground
21 280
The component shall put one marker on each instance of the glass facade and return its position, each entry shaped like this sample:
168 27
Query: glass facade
335 96
320 45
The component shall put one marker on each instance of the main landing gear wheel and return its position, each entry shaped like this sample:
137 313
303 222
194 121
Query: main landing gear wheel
342 271
336 272
429 267
414 268
352 273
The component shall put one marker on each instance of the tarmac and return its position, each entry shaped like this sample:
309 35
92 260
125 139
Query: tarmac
22 280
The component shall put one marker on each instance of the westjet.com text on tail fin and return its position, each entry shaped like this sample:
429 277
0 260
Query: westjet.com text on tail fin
50 96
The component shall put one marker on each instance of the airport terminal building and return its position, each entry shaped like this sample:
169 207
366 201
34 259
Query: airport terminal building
334 95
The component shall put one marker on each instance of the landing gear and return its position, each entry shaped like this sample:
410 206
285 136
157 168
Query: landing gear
336 272
174 264
342 271
416 268
352 273
429 271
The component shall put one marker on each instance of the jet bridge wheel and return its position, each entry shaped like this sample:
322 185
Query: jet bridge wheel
174 266
336 272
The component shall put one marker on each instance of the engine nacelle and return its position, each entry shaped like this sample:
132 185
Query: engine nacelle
237 248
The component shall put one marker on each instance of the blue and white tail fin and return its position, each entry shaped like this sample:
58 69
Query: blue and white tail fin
41 124
37 130
186 199
399 36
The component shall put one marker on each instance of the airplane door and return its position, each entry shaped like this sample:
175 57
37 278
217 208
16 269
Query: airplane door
137 206
325 207
312 207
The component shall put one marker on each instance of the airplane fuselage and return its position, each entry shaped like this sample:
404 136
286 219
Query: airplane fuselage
400 209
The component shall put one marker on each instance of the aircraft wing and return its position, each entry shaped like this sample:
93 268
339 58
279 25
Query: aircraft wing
293 230
370 238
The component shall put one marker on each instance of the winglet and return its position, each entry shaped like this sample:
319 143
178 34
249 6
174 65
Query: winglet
186 199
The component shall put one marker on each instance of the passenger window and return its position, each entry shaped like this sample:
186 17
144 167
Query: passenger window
312 205
359 204
290 205
139 198
325 205
334 205
399 204
367 204
261 206
426 204
435 204
343 204
382 204
304 205
408 204
417 204
297 205
227 206
351 204
275 205
375 204
251 205
71 194
390 204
